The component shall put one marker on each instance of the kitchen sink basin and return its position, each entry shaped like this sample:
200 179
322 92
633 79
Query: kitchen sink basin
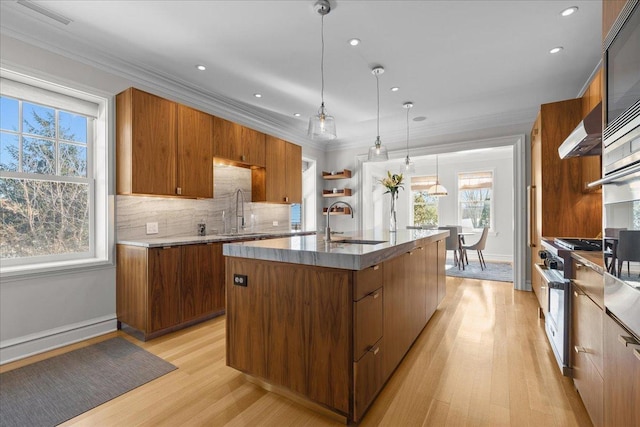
360 242
240 234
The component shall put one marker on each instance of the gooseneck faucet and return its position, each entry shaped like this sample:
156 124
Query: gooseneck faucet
327 230
240 224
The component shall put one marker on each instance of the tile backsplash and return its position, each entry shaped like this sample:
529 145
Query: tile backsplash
180 217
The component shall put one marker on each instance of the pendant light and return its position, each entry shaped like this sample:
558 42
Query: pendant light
322 126
378 153
409 166
437 189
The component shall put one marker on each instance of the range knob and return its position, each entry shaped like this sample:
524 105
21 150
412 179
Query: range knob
551 263
543 254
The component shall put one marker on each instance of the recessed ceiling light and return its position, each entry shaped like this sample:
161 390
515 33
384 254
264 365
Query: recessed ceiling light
569 11
419 119
257 95
556 49
296 114
201 67
395 89
354 42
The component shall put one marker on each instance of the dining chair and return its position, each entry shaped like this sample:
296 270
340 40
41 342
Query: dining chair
610 246
628 248
479 247
453 243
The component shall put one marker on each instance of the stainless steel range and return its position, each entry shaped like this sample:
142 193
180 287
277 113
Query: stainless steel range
556 271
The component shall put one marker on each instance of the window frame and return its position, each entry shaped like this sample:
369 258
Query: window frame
99 161
491 202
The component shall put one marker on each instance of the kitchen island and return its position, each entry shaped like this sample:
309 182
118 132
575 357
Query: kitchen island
330 322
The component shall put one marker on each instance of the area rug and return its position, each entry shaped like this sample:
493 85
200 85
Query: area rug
498 271
54 390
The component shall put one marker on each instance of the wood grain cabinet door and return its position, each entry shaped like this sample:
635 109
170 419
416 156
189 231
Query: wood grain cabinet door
253 146
226 139
146 144
197 286
293 162
164 288
195 153
621 377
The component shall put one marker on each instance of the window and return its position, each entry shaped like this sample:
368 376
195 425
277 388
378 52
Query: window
475 194
50 176
424 207
296 216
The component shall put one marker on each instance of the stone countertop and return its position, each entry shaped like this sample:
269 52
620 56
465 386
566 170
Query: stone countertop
313 250
191 240
593 260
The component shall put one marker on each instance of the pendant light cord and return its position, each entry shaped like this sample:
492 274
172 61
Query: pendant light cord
408 132
322 60
378 91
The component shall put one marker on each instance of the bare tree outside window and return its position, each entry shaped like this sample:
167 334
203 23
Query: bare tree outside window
44 193
475 191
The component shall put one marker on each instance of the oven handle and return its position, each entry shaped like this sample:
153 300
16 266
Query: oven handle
615 176
557 285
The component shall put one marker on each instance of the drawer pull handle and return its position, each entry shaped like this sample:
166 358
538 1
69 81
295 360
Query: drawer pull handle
375 267
575 294
375 350
579 349
627 340
375 295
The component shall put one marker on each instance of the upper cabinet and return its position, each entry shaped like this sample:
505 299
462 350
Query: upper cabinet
610 11
162 148
237 143
281 180
195 152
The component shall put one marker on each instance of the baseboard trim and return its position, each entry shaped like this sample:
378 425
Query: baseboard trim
29 345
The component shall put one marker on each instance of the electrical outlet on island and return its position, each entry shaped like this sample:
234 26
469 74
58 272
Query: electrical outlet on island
152 228
275 223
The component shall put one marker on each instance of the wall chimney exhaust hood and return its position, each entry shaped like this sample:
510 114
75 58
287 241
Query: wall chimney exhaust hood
586 138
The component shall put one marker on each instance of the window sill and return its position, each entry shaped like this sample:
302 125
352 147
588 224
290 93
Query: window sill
22 272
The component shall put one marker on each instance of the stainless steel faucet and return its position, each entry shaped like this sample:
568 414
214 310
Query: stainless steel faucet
327 230
240 224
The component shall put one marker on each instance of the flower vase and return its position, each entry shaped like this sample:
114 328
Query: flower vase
393 224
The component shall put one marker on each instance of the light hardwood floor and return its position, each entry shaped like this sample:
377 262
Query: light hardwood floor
483 359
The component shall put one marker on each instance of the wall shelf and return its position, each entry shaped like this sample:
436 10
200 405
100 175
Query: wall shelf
343 210
343 174
342 192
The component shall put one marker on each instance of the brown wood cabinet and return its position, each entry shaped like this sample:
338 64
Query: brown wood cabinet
159 290
195 153
610 11
281 180
558 207
586 337
238 143
162 148
332 335
621 376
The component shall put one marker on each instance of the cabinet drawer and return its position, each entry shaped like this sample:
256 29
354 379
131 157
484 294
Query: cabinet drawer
367 323
367 280
539 285
590 386
587 328
367 376
591 282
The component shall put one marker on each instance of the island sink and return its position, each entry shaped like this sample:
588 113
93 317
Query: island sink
359 242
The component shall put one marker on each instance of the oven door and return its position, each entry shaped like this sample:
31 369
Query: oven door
557 323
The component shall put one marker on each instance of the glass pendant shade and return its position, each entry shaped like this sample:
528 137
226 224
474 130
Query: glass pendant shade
437 189
408 166
378 153
322 126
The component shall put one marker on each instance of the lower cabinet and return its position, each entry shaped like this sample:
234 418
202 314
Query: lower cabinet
159 290
587 354
332 335
621 375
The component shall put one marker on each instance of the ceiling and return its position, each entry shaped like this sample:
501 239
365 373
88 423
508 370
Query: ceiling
466 65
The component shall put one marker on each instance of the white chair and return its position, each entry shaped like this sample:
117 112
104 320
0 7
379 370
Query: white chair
479 247
453 243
